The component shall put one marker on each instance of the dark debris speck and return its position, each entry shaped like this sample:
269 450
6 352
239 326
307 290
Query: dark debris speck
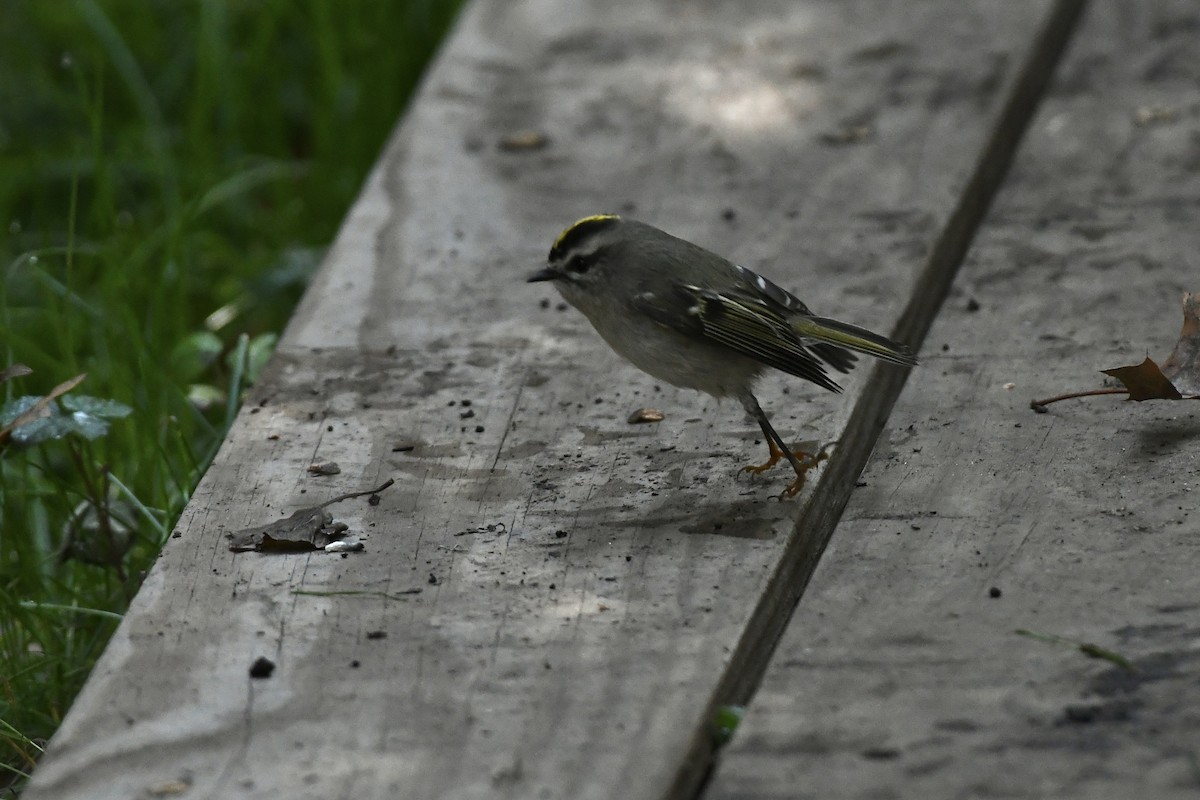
262 667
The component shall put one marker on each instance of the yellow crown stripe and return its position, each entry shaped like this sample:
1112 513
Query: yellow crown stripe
585 221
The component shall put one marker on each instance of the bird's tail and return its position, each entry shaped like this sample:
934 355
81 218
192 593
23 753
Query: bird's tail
852 337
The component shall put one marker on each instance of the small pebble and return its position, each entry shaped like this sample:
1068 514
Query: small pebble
523 141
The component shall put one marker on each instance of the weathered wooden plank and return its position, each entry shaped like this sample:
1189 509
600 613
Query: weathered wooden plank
900 674
588 589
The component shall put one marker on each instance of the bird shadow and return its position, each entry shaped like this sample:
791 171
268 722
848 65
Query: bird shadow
1167 437
757 517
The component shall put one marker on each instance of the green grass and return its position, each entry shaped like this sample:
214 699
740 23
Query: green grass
170 174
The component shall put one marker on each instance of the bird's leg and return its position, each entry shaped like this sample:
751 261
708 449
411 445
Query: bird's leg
800 460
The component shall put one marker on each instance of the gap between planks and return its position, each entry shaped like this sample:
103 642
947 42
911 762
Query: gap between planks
816 525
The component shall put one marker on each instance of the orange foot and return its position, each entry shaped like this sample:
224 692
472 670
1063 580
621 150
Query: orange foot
802 463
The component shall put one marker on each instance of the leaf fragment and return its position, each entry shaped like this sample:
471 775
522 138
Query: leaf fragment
306 529
1177 379
1145 381
1183 365
644 415
1087 648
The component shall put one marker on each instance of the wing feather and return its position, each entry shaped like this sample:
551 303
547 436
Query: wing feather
755 330
752 320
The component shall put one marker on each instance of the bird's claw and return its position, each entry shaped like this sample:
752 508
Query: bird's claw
802 462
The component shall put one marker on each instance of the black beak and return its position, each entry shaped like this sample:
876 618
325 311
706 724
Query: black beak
544 274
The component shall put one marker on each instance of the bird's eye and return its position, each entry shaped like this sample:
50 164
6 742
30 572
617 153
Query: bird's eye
580 262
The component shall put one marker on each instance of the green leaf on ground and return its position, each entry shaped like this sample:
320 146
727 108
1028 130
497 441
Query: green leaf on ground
725 722
1087 648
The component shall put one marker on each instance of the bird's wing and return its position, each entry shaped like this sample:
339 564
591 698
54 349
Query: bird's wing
756 288
746 324
833 341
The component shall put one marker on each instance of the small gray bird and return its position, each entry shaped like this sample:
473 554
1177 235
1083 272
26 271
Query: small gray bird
693 319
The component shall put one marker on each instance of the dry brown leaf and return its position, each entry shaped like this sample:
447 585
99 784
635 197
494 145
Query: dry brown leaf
1145 381
306 529
1177 379
309 528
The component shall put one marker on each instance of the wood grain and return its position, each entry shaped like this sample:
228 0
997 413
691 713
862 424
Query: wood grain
588 589
901 674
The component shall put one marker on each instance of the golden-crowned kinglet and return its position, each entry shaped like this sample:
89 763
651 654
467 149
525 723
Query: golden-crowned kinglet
693 319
